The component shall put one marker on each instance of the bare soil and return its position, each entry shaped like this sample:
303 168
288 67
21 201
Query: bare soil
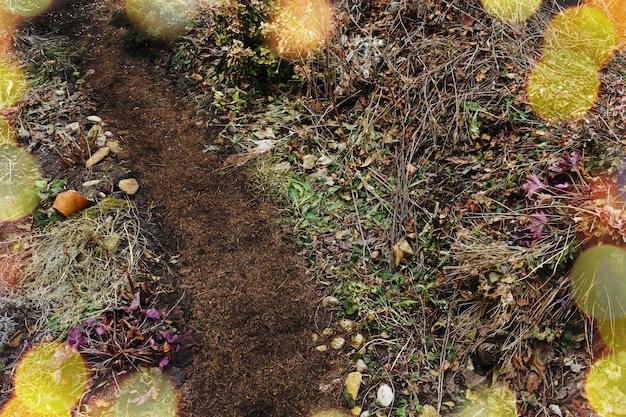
248 301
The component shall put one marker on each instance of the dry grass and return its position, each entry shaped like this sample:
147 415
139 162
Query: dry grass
81 266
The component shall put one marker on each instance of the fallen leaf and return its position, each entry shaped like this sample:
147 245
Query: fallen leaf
266 133
308 161
15 340
69 202
402 251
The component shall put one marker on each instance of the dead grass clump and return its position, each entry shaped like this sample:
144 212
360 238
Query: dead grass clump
79 267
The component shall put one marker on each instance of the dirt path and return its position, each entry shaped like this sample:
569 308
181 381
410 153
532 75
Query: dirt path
249 305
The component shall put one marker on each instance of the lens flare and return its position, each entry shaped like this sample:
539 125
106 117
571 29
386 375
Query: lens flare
616 12
606 385
584 30
613 333
563 85
50 378
300 27
491 402
18 190
7 28
599 282
145 393
27 8
12 84
511 10
7 133
15 408
160 19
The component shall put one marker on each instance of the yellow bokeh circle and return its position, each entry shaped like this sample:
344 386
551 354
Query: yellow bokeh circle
606 385
19 174
599 282
563 85
50 378
27 8
160 19
584 30
12 84
145 393
15 408
615 10
511 10
300 27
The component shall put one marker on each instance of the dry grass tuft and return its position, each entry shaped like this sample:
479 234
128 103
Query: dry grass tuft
79 267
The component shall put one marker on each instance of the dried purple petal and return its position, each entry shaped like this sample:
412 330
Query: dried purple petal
152 313
532 186
164 362
136 303
100 330
76 338
91 322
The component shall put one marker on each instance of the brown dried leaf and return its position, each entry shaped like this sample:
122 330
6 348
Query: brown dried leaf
402 251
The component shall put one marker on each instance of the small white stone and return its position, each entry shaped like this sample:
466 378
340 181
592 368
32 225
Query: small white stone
365 414
72 127
337 343
129 186
357 341
385 395
361 366
321 348
346 325
324 161
330 301
91 183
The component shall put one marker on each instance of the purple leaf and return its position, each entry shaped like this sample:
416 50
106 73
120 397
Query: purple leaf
537 223
532 186
135 304
76 338
151 313
100 330
91 322
163 362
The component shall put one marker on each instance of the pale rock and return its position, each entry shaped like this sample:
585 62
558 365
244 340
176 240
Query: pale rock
308 161
321 348
129 186
115 146
330 301
328 331
357 341
97 156
72 127
324 161
361 366
429 411
91 183
337 343
365 413
109 134
94 119
385 395
346 325
353 384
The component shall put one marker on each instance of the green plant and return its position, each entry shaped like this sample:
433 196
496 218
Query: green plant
48 190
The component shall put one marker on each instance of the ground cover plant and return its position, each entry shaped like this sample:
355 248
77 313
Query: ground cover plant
436 207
